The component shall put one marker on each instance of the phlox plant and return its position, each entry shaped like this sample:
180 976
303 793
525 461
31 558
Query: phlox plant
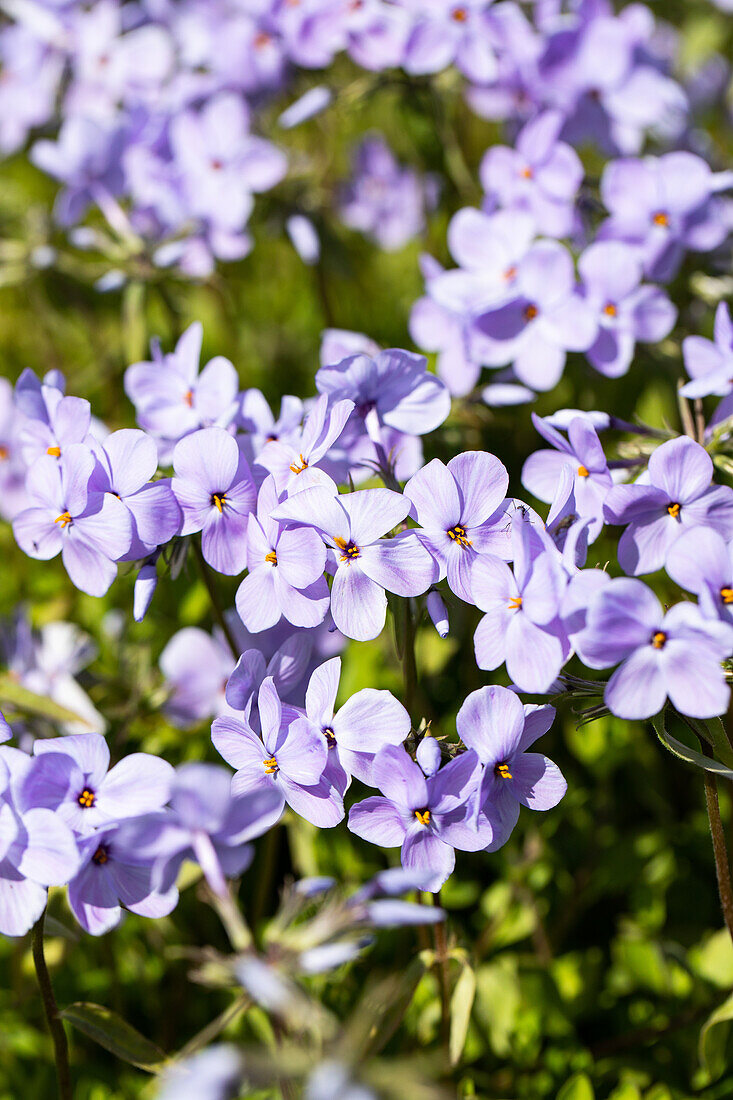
325 691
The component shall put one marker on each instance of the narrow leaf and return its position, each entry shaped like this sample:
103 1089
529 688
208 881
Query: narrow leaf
114 1034
690 756
20 698
461 1004
714 1037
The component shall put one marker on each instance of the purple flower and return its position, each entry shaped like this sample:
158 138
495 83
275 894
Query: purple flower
582 454
545 319
710 364
296 458
196 667
256 419
384 200
426 816
285 577
172 399
126 463
86 159
289 759
493 722
520 625
395 384
205 823
456 33
50 421
90 529
677 495
664 206
460 511
215 1073
72 778
215 490
12 463
676 654
113 874
365 564
540 174
626 312
37 850
702 562
366 722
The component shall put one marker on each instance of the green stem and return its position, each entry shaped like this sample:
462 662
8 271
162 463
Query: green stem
720 852
440 933
409 668
50 1008
213 596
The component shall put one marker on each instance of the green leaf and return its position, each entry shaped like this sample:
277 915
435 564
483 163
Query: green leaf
579 1087
114 1034
690 756
461 1004
714 1037
17 697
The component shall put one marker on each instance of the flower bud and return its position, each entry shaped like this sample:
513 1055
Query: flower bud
438 612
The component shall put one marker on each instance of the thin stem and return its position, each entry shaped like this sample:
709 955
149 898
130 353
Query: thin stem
688 423
722 866
51 1011
699 421
213 596
440 933
409 668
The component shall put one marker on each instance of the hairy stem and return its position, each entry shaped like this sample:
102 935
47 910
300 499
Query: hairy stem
50 1008
720 852
440 933
213 596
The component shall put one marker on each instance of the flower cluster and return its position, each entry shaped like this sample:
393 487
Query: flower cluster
157 109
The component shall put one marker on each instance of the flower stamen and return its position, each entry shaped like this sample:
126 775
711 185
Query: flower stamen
458 534
423 816
298 468
530 312
219 500
515 602
350 550
64 519
502 771
726 595
659 639
271 557
54 451
674 510
87 799
583 471
270 765
101 856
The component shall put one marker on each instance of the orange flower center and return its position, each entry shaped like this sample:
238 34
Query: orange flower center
515 602
458 535
55 451
583 471
530 312
659 639
64 519
423 816
86 799
502 771
674 510
661 218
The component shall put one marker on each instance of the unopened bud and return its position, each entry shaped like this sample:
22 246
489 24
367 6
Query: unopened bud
438 612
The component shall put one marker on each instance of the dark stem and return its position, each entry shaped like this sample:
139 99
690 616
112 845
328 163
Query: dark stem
50 1008
722 865
213 596
440 933
409 668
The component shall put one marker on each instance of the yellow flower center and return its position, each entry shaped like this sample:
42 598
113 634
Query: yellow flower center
298 468
610 309
219 500
674 510
55 451
526 173
350 551
423 816
101 856
458 534
530 312
726 595
4 452
583 471
661 218
64 519
270 765
188 398
459 15
659 639
502 771
271 557
515 602
87 799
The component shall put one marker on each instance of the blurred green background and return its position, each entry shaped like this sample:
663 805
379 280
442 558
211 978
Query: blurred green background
595 934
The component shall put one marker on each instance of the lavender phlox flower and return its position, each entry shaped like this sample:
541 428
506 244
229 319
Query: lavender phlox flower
394 385
545 319
37 850
304 238
215 490
12 462
428 817
306 106
626 312
338 344
287 666
146 583
333 1080
214 1074
207 823
256 419
457 33
384 200
32 71
126 464
113 874
570 532
294 462
196 667
582 453
91 530
172 399
675 654
541 175
494 723
664 206
676 494
520 625
286 565
366 722
72 777
462 514
709 364
701 561
365 564
289 759
50 421
85 157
